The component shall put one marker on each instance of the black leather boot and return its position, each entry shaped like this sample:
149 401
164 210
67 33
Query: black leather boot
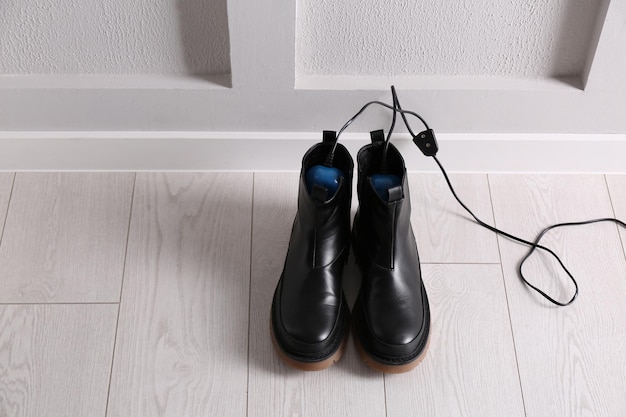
310 315
391 316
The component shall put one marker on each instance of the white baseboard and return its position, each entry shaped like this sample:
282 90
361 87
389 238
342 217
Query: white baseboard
270 151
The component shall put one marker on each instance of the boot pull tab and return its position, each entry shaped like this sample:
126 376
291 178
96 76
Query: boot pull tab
329 136
395 194
319 193
377 136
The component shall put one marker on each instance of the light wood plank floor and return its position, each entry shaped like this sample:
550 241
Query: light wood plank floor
148 294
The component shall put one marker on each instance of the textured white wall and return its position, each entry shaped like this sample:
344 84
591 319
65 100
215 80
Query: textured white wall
263 96
114 37
543 38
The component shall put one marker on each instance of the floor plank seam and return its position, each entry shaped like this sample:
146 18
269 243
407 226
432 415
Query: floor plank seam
119 304
459 263
385 394
62 303
6 216
506 298
250 294
608 189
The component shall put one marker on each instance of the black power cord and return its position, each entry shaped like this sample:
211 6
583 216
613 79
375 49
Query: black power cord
426 142
533 245
331 155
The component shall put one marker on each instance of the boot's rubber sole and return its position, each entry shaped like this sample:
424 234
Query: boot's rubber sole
310 366
390 369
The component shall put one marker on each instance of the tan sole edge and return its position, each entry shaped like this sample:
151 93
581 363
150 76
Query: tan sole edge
390 369
310 366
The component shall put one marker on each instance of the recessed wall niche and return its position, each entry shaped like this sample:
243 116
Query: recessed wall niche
434 42
116 38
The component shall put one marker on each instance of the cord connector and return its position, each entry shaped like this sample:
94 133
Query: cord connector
426 142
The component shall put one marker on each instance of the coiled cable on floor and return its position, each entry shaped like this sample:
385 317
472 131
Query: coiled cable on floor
533 245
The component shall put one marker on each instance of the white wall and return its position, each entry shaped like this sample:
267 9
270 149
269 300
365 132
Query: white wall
432 37
114 37
124 66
